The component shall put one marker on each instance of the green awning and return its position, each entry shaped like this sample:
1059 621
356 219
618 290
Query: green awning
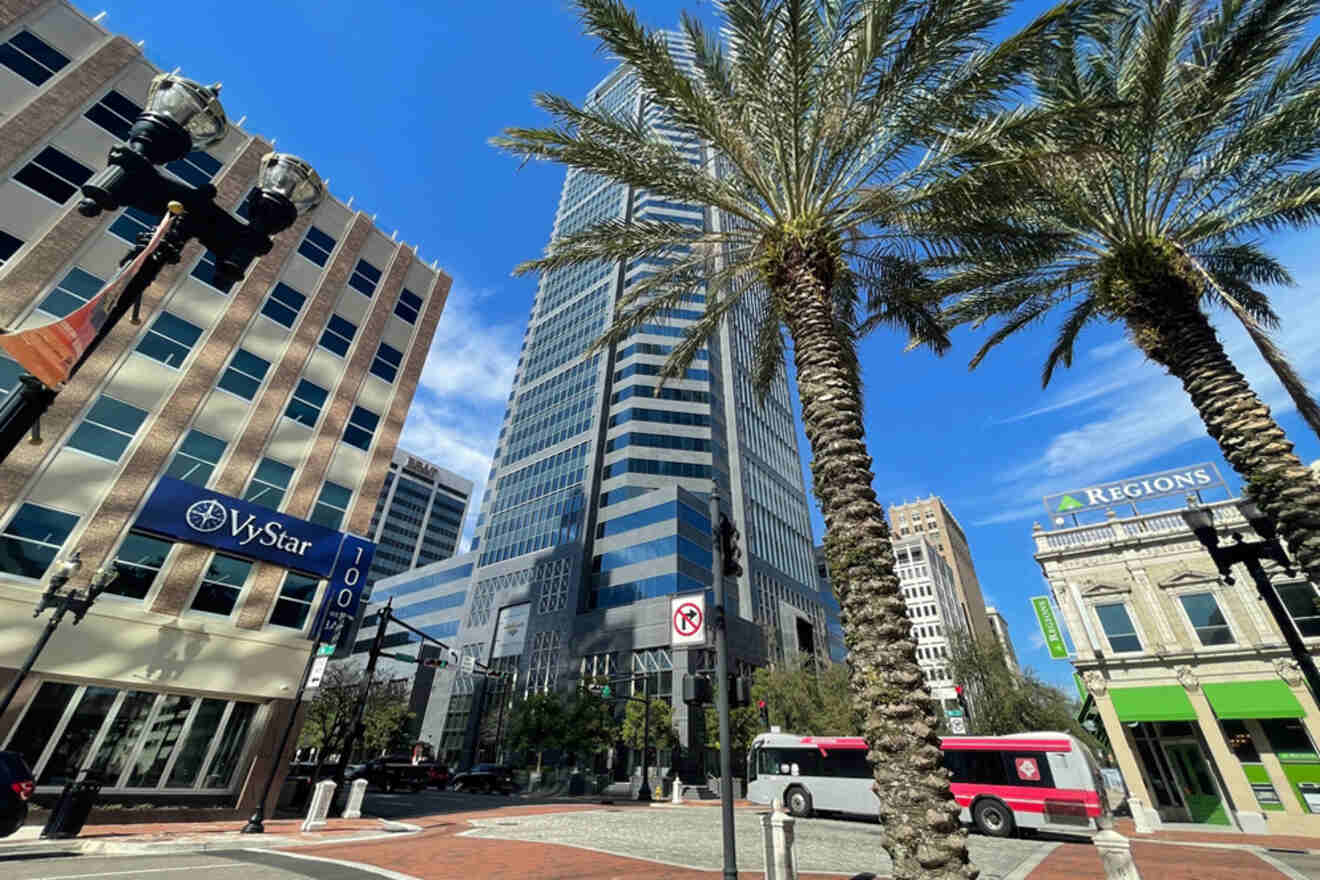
1270 698
1165 702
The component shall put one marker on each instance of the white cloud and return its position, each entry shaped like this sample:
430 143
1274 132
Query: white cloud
1135 412
1036 639
455 417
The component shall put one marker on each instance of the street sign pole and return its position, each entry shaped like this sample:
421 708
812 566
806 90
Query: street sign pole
722 695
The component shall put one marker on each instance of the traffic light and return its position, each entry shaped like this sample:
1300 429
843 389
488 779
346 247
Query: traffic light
603 690
730 552
740 692
962 699
765 713
436 662
696 690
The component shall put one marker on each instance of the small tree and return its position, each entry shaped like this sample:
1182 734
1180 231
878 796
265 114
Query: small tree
590 724
1004 701
536 724
662 723
330 713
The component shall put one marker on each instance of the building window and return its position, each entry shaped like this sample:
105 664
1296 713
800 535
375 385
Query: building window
338 335
196 459
295 601
361 427
1118 628
31 57
9 246
72 293
108 428
132 223
283 305
114 113
33 538
305 405
10 370
269 483
386 362
1303 606
221 585
1207 619
204 271
1288 739
409 306
244 375
331 505
54 174
139 559
197 168
542 668
170 339
316 246
365 277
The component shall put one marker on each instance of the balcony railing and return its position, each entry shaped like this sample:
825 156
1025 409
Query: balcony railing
1120 529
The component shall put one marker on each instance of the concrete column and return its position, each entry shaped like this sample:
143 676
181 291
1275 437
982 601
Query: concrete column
1274 769
1230 768
1116 855
322 794
355 796
1129 764
260 751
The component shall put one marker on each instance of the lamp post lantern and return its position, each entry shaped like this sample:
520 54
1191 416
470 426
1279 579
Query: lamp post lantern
181 115
1201 521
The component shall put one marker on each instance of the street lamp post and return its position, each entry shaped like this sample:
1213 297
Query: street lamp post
1201 521
644 793
63 603
180 116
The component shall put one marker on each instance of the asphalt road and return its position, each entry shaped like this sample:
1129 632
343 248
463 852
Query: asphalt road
231 865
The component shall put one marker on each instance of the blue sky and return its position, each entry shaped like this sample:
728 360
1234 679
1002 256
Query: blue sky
394 102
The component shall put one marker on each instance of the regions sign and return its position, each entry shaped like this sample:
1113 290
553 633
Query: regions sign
1105 495
1049 627
188 513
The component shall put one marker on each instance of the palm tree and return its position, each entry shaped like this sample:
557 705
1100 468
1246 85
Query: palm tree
1147 214
828 127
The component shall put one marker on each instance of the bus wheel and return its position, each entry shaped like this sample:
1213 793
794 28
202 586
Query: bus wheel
798 802
992 817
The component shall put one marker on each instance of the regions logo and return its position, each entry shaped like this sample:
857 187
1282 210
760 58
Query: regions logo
1068 503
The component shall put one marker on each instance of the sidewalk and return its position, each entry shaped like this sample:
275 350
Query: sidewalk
1158 861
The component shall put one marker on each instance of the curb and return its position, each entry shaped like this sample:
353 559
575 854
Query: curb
172 847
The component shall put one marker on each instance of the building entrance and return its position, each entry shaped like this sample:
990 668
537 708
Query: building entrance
1177 774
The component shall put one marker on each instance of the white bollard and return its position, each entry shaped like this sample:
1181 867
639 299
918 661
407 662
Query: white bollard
1140 819
777 831
1116 855
355 797
320 806
676 796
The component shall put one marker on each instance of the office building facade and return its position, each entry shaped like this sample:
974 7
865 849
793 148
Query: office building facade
932 519
1205 710
838 650
419 515
597 506
999 627
278 398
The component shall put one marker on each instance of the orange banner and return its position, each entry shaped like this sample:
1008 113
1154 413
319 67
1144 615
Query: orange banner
50 350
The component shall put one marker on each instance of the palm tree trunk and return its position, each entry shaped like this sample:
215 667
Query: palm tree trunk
918 815
1178 336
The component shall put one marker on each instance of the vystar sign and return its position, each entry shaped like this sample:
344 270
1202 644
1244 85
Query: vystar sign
1127 491
194 515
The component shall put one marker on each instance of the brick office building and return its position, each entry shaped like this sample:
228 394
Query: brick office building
284 392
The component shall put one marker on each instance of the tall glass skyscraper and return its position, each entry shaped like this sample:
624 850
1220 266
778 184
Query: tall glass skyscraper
596 508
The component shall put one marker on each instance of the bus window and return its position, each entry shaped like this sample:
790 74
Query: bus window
752 758
848 764
985 768
1028 768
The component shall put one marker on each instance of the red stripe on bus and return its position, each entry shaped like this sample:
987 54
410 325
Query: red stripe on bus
835 742
1004 744
1029 799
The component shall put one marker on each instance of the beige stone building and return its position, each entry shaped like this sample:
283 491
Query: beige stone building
1206 711
931 519
286 390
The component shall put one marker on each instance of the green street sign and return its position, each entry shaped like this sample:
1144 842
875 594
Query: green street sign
1049 627
1081 687
954 713
325 650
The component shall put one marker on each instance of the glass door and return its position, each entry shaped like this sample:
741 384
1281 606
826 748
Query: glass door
1204 803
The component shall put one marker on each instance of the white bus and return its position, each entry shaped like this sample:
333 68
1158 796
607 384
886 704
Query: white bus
1049 781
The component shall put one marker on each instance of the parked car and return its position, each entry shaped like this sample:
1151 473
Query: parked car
395 773
438 775
487 778
16 786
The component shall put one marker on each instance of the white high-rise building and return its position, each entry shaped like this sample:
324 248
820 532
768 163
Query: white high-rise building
933 606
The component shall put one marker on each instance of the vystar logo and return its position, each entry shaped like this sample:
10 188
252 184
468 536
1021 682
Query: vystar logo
211 515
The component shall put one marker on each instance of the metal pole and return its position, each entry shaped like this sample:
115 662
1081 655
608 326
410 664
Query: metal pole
1284 621
644 793
360 711
46 633
722 692
256 825
499 724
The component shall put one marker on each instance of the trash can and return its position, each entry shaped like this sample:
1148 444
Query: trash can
72 809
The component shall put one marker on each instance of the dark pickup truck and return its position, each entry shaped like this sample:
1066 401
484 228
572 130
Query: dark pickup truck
397 773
